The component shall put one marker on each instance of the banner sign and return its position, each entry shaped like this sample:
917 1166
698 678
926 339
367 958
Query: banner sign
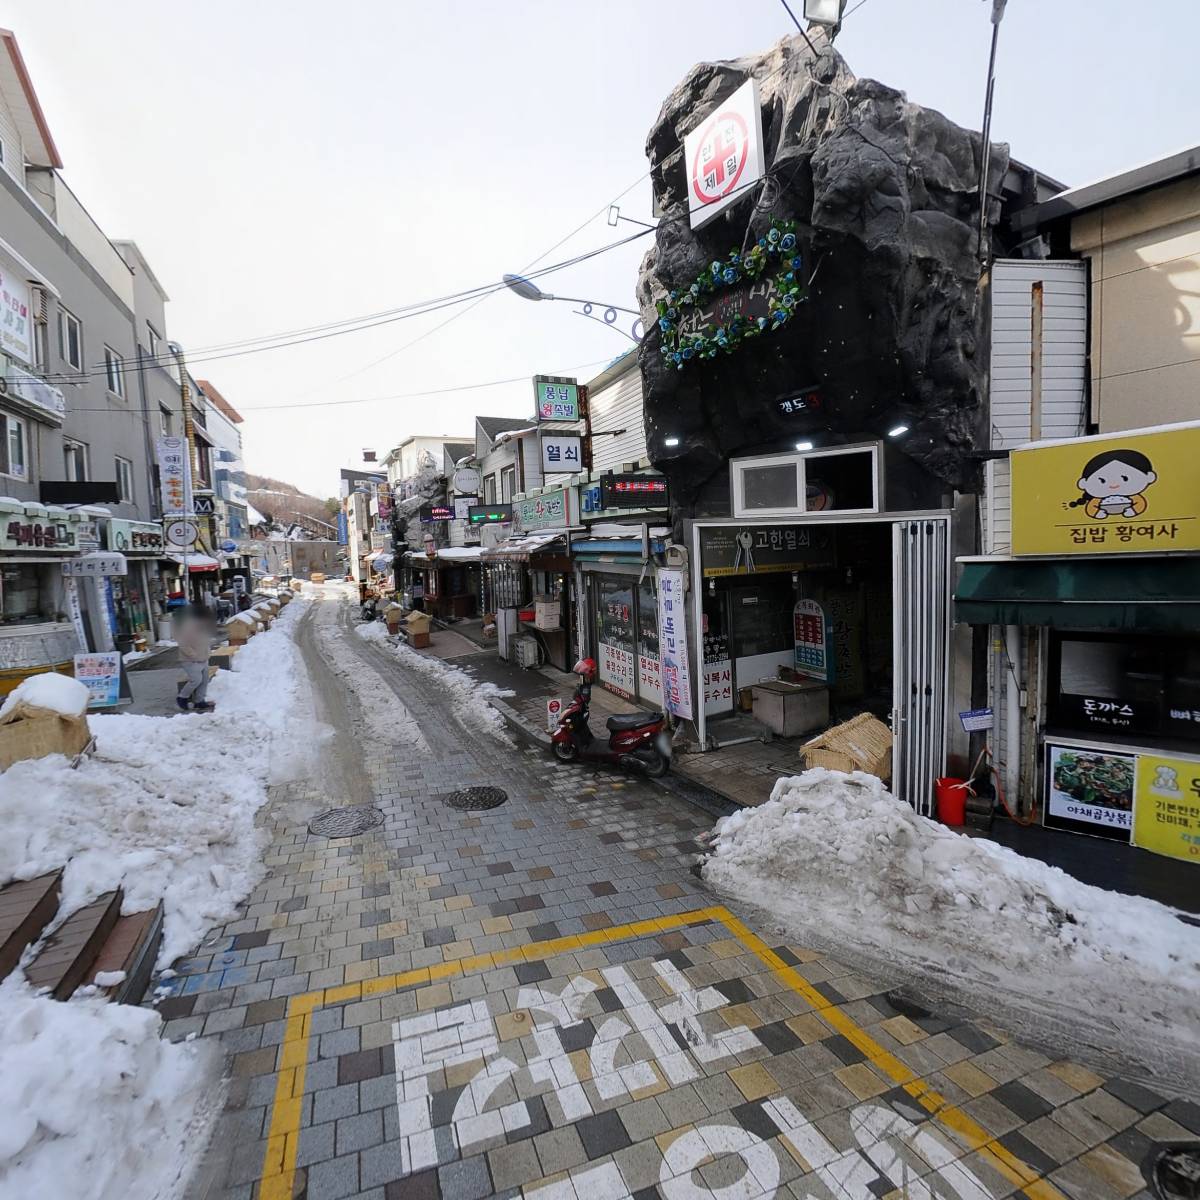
1089 789
672 646
175 473
557 398
134 537
1124 493
1166 812
101 674
723 155
16 329
462 507
561 452
343 529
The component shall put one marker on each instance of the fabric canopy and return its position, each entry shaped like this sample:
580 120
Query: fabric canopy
1135 595
196 562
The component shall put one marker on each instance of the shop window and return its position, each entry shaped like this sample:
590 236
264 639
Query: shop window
75 466
14 450
841 480
615 634
489 490
164 422
1125 685
21 594
508 479
70 339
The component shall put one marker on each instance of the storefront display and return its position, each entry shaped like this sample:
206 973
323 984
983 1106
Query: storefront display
1166 812
1089 789
615 634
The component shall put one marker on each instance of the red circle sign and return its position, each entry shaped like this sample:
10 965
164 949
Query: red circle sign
721 153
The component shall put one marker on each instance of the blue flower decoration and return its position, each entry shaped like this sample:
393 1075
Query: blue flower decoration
735 257
797 263
664 324
787 241
672 313
789 300
729 275
762 242
688 352
677 356
762 322
773 236
694 289
779 314
674 295
717 268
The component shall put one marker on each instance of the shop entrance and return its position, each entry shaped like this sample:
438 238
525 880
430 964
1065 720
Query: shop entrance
860 606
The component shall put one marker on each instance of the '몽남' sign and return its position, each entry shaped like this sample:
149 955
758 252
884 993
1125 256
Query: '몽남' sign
1135 492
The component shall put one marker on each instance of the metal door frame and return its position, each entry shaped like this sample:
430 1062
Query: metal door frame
933 604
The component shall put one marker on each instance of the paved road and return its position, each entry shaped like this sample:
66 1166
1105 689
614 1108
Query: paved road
541 1000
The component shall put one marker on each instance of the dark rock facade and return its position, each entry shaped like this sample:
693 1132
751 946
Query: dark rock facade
883 194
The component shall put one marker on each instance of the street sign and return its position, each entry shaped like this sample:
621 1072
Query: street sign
465 480
724 155
205 506
181 533
561 452
557 398
553 713
95 564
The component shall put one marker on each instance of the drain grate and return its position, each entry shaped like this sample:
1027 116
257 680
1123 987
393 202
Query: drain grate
1177 1171
476 799
345 822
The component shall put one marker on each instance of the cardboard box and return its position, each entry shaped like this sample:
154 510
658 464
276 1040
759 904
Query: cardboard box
864 743
27 731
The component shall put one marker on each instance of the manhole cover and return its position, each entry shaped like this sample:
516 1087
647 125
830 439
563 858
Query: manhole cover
475 799
1177 1172
345 822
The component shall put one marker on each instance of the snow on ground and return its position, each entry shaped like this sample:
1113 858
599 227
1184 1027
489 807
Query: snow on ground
383 711
839 858
166 806
468 695
93 1103
56 693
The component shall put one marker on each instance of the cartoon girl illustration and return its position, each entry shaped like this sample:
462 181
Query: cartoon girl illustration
1112 484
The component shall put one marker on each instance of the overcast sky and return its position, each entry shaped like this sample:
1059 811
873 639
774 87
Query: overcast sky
285 163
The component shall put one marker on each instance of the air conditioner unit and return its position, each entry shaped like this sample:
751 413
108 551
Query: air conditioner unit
3 385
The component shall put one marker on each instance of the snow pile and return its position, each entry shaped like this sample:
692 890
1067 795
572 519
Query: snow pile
57 693
838 857
469 696
93 1102
166 806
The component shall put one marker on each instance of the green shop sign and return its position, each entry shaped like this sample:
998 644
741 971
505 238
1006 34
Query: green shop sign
557 509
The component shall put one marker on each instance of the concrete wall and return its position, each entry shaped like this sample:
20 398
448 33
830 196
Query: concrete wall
1145 298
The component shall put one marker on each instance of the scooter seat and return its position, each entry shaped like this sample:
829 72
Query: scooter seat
631 721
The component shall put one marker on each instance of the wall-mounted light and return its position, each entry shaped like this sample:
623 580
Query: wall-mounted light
897 431
671 441
824 12
804 445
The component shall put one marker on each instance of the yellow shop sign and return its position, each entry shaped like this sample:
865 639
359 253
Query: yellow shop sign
1166 809
1135 492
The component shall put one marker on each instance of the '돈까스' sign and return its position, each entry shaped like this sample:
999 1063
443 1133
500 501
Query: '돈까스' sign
1134 492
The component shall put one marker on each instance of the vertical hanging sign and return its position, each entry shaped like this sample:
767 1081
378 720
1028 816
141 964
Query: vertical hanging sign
175 472
672 646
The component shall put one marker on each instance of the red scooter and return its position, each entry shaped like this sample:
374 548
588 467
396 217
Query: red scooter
638 741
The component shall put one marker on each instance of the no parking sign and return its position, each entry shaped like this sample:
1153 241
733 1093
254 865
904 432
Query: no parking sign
553 713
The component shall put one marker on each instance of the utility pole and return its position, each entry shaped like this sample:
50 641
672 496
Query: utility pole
985 148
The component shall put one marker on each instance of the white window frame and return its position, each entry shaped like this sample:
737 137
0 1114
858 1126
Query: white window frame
739 466
9 423
125 480
165 424
508 483
114 372
154 338
81 447
65 318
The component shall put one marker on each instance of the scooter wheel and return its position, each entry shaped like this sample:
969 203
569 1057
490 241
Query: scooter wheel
655 765
566 751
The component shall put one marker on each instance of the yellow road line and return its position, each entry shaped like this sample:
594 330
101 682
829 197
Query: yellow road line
279 1161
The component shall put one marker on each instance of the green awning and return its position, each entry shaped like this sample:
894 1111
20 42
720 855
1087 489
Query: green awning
1135 595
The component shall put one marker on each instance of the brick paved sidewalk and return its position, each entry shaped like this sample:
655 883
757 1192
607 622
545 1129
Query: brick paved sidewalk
541 1000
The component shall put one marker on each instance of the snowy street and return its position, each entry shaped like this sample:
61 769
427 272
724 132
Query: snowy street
542 999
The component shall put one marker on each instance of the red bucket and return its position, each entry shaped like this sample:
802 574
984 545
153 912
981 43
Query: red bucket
951 796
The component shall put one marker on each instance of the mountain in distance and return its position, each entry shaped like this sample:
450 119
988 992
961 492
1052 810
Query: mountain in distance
282 503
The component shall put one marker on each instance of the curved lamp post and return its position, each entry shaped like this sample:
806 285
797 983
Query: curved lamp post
528 290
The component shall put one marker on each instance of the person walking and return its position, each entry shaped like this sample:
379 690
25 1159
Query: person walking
194 638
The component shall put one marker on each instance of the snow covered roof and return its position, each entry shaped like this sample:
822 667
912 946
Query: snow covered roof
520 548
196 562
460 553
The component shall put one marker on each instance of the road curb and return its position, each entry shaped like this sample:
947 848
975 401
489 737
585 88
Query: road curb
518 723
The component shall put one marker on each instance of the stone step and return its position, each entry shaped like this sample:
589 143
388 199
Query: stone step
132 948
69 954
26 908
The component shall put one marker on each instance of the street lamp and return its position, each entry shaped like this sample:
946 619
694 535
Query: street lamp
528 290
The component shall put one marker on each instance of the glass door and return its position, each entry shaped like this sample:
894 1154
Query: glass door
614 617
649 673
